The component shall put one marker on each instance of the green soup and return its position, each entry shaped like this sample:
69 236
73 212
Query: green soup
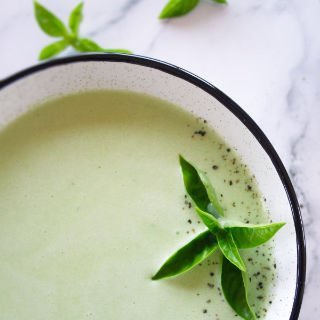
92 202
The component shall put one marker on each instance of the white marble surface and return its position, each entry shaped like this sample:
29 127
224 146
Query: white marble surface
263 54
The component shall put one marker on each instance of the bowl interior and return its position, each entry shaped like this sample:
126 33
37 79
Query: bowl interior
65 78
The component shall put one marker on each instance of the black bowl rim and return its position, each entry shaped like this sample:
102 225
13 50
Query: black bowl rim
231 106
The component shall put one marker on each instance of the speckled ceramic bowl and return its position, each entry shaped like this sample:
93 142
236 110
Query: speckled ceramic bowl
109 71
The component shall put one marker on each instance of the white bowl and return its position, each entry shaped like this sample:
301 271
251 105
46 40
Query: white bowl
59 77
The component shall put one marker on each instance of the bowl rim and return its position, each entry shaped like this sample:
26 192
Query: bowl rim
227 103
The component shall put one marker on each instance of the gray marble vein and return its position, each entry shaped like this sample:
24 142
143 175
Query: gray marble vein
124 10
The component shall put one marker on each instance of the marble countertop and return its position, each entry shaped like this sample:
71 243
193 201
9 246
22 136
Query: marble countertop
264 54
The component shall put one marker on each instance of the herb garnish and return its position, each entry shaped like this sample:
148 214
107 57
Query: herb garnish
177 8
54 27
223 234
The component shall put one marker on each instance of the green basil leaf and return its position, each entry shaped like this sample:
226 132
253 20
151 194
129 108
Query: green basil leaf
188 256
53 49
234 288
48 22
253 236
209 220
194 184
199 189
229 249
87 45
214 205
176 8
118 50
75 18
221 1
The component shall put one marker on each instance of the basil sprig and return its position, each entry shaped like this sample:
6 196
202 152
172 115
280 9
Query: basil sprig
54 27
227 235
177 8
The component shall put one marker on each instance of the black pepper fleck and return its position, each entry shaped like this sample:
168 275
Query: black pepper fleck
201 133
260 285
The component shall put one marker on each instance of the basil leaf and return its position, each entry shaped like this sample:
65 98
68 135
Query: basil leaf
209 220
253 236
214 205
199 189
194 184
176 8
188 256
76 18
221 1
53 49
234 288
48 22
118 50
229 249
87 45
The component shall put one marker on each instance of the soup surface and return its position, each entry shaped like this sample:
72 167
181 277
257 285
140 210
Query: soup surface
92 203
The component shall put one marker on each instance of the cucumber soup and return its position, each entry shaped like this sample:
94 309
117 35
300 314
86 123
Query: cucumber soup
92 202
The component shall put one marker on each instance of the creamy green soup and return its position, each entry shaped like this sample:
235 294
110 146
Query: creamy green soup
92 202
